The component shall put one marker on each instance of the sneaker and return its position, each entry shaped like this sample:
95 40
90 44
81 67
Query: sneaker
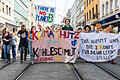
112 62
6 61
32 62
13 60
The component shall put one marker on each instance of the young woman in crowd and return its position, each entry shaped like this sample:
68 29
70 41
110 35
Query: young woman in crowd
30 44
79 29
40 27
7 38
23 34
110 30
53 28
46 32
14 43
87 29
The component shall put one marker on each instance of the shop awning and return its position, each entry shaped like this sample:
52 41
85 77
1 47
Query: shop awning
109 20
2 22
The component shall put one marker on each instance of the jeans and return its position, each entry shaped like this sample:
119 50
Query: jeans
6 49
23 49
30 51
14 51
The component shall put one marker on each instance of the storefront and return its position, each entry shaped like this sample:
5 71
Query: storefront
10 26
2 24
112 20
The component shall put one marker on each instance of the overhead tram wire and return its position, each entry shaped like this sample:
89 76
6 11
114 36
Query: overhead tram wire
65 6
43 2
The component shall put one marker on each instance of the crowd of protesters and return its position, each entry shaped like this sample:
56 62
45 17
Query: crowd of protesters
25 45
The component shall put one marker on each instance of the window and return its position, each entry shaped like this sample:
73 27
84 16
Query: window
96 11
85 17
103 9
89 14
82 8
6 9
9 11
111 5
0 5
85 4
3 7
89 1
93 13
106 7
116 4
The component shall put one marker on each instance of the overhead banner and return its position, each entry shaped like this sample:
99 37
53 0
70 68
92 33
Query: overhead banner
45 14
60 46
100 47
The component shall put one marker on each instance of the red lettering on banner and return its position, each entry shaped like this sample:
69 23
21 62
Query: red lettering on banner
42 13
77 35
67 35
33 35
46 58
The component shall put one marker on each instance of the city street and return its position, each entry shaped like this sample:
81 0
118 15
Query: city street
60 71
59 39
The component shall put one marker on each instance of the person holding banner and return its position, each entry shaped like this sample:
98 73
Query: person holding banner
46 32
79 29
23 34
40 27
30 44
99 28
110 30
87 29
53 28
67 25
93 29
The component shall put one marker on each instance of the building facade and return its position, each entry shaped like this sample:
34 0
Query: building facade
32 13
21 12
68 14
80 13
6 14
73 15
91 11
110 13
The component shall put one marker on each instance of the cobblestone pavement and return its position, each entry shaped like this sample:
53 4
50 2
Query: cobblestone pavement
59 71
51 71
89 71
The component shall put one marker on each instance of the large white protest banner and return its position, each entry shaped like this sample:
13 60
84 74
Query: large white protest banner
100 47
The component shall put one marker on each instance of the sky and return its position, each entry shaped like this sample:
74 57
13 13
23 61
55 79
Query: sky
62 6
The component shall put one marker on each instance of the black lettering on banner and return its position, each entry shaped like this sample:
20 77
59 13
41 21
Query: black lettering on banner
89 46
59 51
51 51
67 51
73 51
35 52
55 51
114 40
44 52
